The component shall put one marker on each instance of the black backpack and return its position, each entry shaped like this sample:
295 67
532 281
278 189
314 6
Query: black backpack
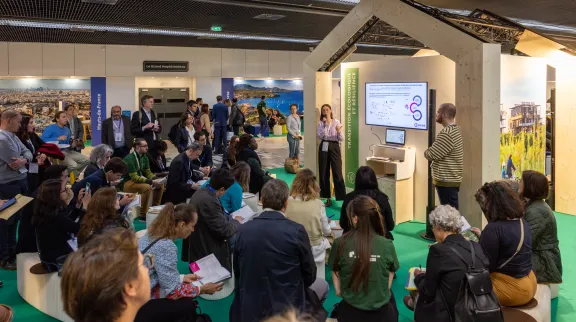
476 300
239 117
173 133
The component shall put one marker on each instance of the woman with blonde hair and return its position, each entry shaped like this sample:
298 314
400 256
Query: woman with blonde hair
172 294
306 208
101 215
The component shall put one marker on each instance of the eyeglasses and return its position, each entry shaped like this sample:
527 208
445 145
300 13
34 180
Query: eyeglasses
148 261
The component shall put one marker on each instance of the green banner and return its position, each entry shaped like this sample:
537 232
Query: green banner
351 125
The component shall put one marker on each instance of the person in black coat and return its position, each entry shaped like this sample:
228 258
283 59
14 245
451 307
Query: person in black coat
116 133
33 142
273 264
205 159
439 286
213 228
182 132
157 158
247 147
183 172
55 223
367 185
145 123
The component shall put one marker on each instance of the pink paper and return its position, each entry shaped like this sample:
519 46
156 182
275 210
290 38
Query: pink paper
194 267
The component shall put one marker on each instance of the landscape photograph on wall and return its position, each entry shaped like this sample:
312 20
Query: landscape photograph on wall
280 94
44 97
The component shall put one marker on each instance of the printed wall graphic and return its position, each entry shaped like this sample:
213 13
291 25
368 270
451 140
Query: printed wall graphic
227 88
280 94
98 85
522 115
350 85
43 97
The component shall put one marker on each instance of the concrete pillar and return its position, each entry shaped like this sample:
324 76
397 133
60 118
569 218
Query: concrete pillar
317 92
478 115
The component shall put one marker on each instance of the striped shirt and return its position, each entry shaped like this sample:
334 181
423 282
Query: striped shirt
447 156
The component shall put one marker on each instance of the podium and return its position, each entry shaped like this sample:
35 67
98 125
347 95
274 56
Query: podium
394 167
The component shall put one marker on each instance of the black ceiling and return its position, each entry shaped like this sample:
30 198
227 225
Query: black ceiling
200 15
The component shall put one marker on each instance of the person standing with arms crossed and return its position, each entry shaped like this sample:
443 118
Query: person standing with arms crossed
329 155
447 156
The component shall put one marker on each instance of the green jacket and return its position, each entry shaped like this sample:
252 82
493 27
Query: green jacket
546 261
138 169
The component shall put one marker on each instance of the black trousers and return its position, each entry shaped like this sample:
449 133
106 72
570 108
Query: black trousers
121 152
345 312
331 159
236 129
448 195
182 310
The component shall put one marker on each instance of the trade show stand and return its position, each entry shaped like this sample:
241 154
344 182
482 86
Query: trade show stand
394 167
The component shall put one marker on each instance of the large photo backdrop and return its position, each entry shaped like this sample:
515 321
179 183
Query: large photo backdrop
522 115
280 94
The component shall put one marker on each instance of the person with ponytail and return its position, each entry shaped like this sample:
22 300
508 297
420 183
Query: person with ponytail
173 294
363 263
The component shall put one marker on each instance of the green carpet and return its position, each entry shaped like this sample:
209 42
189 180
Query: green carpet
411 250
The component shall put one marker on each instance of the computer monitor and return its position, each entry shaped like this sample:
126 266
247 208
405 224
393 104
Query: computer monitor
395 137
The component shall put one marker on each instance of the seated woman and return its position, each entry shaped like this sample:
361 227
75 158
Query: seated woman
507 242
546 260
98 158
101 215
247 147
173 294
367 185
232 199
55 223
305 208
229 157
444 269
364 280
27 134
114 279
157 157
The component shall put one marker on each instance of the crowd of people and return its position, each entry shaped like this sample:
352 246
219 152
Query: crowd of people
277 258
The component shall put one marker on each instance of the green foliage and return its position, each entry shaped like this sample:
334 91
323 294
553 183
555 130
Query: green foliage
527 150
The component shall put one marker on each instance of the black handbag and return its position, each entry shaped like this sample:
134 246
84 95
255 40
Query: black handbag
200 317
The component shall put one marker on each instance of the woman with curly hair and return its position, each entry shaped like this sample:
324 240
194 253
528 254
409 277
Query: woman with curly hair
102 215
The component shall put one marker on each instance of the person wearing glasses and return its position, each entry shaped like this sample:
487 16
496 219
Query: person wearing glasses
140 178
125 288
172 294
14 156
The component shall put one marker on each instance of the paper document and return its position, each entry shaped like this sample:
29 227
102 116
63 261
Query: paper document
210 270
246 195
162 180
201 182
245 212
132 204
465 224
10 210
410 286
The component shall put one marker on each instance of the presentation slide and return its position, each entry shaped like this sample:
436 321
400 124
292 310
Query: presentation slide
403 105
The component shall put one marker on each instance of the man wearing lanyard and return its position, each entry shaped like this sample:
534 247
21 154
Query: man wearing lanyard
140 179
184 174
145 123
116 133
447 156
13 159
205 159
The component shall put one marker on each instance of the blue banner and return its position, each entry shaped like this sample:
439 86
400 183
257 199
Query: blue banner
228 88
98 107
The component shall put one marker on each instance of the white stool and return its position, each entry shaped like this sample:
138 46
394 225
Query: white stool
251 201
42 291
541 312
554 290
277 130
321 270
150 217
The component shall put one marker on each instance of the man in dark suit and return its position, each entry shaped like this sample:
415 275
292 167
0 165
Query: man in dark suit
75 125
116 133
205 159
270 246
183 173
220 114
145 123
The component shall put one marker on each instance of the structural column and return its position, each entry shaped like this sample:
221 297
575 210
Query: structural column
317 92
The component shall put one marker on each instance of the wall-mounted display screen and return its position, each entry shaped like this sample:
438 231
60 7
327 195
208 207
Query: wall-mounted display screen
403 105
396 137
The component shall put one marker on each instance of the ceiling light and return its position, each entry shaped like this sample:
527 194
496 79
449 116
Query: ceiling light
269 16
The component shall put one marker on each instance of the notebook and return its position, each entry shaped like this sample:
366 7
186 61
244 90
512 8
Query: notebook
410 286
210 270
245 212
132 204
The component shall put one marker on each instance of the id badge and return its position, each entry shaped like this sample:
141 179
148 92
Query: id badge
73 243
33 168
117 137
325 146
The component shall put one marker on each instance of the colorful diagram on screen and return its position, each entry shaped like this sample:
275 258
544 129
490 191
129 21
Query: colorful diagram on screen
417 100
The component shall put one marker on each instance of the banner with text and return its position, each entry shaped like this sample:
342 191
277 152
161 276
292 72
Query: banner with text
350 85
98 107
228 88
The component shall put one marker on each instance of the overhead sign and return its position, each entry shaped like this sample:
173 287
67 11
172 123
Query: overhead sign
165 66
